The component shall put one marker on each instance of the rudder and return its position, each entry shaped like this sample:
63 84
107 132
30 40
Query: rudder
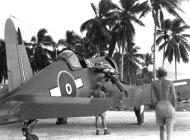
18 65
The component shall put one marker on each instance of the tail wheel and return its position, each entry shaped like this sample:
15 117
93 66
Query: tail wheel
67 84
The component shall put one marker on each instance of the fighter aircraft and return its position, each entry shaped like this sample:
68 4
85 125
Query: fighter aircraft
62 89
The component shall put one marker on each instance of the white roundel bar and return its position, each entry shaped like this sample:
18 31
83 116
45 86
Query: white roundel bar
66 84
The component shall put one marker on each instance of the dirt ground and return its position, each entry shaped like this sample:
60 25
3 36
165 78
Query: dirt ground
122 125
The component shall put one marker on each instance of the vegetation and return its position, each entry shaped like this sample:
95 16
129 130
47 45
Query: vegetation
175 45
111 32
123 31
156 8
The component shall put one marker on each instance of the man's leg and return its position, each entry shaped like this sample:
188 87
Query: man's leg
96 124
103 117
162 132
103 121
169 128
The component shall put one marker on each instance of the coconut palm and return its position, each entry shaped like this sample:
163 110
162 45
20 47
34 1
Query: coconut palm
156 7
131 63
163 36
40 58
145 76
177 46
97 33
88 51
147 58
73 41
122 27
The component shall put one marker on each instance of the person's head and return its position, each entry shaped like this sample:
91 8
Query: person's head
98 84
161 72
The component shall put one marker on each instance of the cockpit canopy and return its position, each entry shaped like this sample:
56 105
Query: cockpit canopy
75 61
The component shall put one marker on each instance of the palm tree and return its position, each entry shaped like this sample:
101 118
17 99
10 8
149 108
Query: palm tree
155 8
73 41
87 50
147 58
96 29
122 27
131 63
3 62
40 58
177 45
145 76
163 36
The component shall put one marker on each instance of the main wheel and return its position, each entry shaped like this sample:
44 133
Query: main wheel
32 137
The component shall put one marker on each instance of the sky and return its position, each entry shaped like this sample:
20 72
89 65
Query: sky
57 16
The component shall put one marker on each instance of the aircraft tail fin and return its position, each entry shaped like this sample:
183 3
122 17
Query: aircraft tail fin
18 65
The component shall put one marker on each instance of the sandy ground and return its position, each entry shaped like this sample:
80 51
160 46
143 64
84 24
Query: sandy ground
122 125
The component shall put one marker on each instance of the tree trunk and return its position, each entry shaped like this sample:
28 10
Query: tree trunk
175 69
122 60
163 58
154 53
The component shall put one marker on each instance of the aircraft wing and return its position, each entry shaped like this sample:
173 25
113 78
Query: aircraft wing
39 107
137 95
140 95
182 88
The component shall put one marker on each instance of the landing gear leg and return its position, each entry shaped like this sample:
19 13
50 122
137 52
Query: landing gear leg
139 112
27 129
61 121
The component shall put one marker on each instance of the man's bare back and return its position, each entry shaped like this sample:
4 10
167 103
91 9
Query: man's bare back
164 90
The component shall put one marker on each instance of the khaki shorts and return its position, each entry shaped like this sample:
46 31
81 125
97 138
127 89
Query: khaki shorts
164 120
165 113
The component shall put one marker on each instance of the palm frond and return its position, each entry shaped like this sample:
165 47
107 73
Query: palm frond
86 25
146 9
137 20
105 6
185 35
94 8
161 47
183 52
159 39
169 51
174 13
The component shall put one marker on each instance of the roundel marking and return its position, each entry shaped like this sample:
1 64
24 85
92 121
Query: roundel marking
68 88
66 84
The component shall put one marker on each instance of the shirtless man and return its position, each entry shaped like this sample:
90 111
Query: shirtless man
98 93
164 98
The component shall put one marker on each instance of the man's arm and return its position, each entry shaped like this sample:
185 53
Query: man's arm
152 94
174 98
